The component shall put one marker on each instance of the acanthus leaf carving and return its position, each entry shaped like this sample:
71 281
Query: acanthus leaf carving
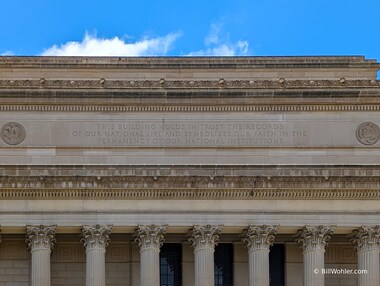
204 236
259 236
40 237
150 236
96 236
366 238
314 237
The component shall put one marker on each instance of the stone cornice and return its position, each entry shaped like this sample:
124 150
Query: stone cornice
189 194
186 62
220 83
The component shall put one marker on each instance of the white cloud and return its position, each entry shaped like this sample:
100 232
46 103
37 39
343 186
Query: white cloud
7 53
219 44
93 46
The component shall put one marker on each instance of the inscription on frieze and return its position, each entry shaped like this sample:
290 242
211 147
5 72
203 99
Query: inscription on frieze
183 131
189 133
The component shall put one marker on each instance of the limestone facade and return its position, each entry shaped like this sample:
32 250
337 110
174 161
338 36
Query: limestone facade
106 161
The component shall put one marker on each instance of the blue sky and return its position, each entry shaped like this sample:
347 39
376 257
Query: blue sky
180 28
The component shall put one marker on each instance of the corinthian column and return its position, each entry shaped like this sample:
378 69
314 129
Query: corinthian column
366 240
258 239
40 240
95 239
204 239
313 240
150 238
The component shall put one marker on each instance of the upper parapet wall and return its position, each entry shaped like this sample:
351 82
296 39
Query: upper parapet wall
188 68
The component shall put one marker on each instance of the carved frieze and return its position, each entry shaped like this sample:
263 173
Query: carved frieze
189 194
185 84
190 182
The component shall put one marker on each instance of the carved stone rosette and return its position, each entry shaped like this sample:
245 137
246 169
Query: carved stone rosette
314 237
96 236
366 238
40 237
150 236
204 236
259 236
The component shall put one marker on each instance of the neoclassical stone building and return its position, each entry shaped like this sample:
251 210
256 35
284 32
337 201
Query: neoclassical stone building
189 171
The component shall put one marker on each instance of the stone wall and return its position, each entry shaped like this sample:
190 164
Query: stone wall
14 262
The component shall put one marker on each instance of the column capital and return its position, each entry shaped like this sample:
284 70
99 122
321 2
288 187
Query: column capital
150 236
259 236
204 236
96 236
40 237
366 238
314 237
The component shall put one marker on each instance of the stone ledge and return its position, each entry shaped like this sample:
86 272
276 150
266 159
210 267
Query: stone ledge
186 62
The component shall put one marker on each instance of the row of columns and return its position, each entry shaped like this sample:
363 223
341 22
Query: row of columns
257 239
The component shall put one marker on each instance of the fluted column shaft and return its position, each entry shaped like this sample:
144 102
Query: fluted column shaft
40 241
204 239
258 239
366 240
95 240
150 238
313 240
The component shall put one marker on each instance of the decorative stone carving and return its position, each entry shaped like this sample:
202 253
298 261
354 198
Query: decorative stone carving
217 83
96 236
366 238
205 236
204 239
313 240
186 108
12 133
95 239
150 236
258 239
40 237
259 236
312 237
40 240
368 133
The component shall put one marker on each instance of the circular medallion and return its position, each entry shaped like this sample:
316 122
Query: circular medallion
368 133
12 133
